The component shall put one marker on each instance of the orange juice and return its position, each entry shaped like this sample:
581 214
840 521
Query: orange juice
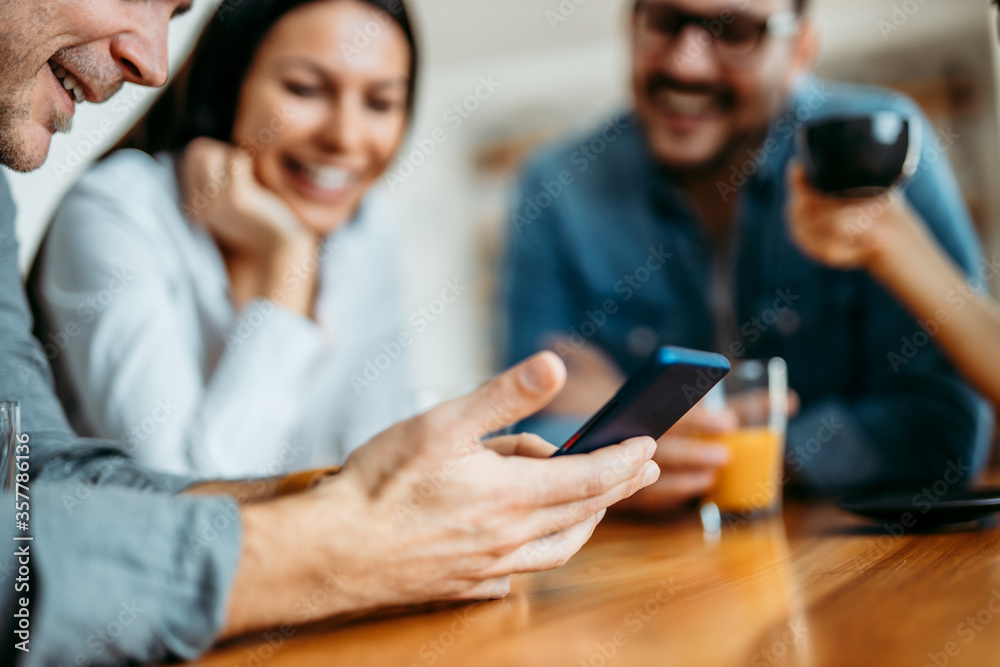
751 480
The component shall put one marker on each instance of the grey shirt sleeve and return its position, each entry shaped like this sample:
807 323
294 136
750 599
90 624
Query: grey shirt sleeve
120 571
58 454
144 584
109 586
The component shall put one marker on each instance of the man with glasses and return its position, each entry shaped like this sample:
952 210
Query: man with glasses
667 226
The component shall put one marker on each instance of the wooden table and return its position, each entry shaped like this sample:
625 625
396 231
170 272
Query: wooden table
814 587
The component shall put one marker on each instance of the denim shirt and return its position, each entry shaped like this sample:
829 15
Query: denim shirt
121 569
603 247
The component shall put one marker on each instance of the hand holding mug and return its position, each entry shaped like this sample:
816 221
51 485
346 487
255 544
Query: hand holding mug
844 233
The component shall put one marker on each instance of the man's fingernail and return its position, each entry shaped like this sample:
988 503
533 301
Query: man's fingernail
652 472
650 450
533 377
600 515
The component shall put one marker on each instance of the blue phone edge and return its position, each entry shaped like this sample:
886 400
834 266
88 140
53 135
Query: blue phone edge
662 358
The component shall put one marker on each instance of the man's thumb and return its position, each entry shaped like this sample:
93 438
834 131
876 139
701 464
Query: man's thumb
513 395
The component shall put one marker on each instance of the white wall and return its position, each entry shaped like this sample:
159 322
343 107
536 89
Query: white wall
548 77
557 74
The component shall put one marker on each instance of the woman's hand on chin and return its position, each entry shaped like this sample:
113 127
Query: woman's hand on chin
261 239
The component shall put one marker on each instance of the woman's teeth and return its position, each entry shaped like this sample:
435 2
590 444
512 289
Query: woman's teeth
328 178
69 82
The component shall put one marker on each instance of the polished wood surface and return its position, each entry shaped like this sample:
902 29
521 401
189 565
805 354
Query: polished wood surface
816 586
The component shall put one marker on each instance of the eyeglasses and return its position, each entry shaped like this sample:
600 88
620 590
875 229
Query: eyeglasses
732 35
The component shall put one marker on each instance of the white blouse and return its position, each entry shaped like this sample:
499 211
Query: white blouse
149 350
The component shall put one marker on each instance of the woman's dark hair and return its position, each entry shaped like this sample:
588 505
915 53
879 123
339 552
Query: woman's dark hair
202 99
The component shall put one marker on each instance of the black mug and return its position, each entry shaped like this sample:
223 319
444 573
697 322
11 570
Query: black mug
860 156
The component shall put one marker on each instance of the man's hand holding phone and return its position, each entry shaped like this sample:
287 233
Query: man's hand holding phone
428 511
689 460
691 453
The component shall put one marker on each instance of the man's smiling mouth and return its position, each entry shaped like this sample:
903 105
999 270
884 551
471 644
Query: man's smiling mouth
68 82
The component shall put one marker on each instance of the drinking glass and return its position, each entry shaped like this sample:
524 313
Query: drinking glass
749 484
10 428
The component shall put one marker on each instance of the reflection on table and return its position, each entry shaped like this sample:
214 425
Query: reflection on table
815 586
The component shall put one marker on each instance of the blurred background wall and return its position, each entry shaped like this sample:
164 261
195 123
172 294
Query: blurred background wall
557 66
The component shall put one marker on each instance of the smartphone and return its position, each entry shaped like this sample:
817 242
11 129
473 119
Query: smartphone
652 400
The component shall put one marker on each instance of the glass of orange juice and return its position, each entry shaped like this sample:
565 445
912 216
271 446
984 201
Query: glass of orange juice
749 484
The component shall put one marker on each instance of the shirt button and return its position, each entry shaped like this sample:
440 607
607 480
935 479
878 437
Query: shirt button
788 322
642 340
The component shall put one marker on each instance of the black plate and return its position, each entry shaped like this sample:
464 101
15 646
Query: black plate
956 507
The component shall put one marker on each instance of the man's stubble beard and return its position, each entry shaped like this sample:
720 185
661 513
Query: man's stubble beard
16 83
732 152
17 79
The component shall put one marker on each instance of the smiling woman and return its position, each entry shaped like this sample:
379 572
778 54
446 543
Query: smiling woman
254 244
252 71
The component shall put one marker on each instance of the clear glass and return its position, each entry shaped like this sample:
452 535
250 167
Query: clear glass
10 428
749 485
